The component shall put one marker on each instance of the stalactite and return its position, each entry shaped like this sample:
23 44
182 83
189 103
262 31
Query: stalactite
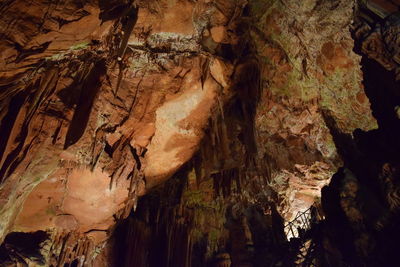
226 183
224 135
206 157
204 69
138 235
70 247
216 184
197 165
98 147
134 176
167 220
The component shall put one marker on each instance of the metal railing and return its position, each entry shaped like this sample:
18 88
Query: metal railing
299 225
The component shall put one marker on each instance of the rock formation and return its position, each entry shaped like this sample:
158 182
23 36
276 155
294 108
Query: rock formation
188 133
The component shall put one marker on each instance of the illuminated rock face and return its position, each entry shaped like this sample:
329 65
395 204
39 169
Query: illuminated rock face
312 81
102 101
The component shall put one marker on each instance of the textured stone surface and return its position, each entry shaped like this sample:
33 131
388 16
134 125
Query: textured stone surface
102 101
309 72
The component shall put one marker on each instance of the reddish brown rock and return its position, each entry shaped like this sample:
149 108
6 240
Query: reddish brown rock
102 101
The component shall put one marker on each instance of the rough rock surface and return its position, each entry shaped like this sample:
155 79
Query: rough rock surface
102 101
310 74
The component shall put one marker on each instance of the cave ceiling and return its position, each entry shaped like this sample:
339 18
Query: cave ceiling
102 102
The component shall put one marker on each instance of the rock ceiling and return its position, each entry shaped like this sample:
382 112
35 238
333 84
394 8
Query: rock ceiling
103 101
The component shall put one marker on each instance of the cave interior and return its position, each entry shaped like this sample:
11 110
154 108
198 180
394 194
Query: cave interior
191 133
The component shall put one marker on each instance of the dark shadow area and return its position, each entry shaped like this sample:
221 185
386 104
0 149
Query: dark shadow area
18 246
362 201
